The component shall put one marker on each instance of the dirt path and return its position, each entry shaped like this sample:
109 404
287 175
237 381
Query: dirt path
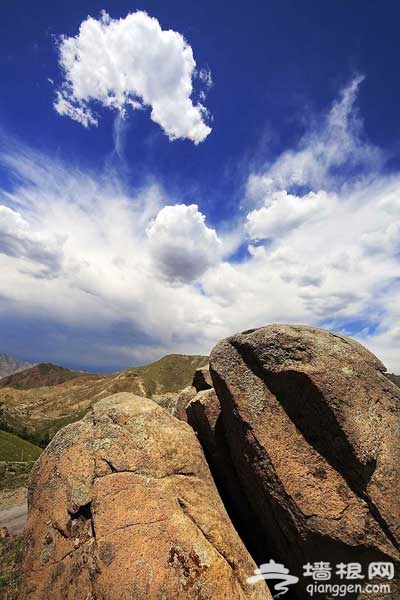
13 509
14 518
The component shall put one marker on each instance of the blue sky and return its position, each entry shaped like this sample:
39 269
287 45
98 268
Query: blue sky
120 243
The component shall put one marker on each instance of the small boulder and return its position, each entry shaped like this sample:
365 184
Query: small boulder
167 400
184 397
202 379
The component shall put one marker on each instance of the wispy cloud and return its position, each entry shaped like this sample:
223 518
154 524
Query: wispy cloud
332 152
115 257
132 63
323 248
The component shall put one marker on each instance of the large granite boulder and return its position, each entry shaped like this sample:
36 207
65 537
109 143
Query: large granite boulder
313 424
122 506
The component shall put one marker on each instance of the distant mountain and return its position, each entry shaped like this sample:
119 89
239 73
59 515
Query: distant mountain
394 378
41 375
37 413
10 364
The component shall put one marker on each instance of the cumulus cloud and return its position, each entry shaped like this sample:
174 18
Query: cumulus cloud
139 276
335 243
132 63
283 212
181 243
114 290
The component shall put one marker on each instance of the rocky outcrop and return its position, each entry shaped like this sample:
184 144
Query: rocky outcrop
167 401
312 425
201 382
202 379
122 505
204 414
185 396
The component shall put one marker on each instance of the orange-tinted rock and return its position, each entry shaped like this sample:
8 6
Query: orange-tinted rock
4 533
204 415
122 506
201 381
184 397
312 424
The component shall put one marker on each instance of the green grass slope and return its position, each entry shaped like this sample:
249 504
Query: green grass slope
394 378
13 448
14 474
169 374
11 551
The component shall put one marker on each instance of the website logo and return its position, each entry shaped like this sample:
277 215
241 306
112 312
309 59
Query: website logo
273 570
350 578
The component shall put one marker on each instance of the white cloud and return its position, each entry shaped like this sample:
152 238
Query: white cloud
182 245
282 212
132 63
19 239
108 285
329 255
336 245
326 156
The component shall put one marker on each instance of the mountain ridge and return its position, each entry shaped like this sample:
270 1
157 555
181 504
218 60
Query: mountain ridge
37 413
40 375
10 364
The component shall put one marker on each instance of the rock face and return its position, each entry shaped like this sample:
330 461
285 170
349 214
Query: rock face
123 506
204 415
202 379
312 424
201 382
185 396
203 412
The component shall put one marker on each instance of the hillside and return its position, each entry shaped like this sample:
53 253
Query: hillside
41 375
36 414
169 374
394 378
10 364
13 448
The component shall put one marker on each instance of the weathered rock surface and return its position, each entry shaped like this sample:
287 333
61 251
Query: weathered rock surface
204 415
313 428
184 397
201 381
167 401
123 506
203 411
